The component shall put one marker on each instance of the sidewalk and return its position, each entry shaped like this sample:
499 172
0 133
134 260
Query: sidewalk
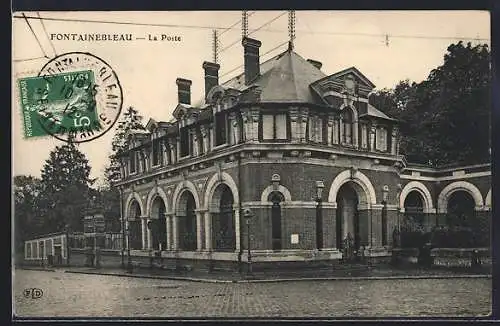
375 273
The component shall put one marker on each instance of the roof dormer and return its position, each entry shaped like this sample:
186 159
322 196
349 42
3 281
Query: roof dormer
343 88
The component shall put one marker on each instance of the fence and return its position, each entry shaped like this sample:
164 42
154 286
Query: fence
112 241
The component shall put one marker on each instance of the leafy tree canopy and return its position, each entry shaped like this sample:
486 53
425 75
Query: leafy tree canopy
445 119
131 120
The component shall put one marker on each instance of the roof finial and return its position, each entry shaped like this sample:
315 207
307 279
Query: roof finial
244 24
291 28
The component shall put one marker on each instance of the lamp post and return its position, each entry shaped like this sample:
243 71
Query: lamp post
385 193
247 214
129 261
122 219
398 234
95 243
319 215
67 244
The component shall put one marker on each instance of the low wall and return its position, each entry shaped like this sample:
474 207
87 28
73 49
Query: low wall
460 257
443 257
109 258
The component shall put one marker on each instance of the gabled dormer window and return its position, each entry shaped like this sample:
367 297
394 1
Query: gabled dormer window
274 126
157 153
184 142
381 139
199 145
133 162
348 126
221 128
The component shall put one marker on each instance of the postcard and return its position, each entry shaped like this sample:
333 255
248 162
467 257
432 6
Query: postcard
251 164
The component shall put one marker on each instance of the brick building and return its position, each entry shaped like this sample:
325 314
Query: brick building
305 151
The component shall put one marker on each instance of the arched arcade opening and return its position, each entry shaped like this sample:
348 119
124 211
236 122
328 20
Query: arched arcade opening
158 224
223 219
134 226
186 218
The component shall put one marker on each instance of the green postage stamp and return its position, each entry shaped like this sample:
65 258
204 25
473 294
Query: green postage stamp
59 104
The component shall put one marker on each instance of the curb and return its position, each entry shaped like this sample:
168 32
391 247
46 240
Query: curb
365 278
36 269
204 280
157 277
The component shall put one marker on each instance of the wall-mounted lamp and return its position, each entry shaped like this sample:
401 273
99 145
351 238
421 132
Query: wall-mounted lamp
319 189
385 193
319 215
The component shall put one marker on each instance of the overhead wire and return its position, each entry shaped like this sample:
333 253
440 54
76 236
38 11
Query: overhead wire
260 56
237 23
29 59
253 31
47 34
440 37
36 37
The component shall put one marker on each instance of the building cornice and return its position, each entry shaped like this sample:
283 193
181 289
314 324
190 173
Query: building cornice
250 149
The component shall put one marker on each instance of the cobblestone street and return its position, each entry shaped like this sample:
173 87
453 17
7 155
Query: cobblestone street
66 294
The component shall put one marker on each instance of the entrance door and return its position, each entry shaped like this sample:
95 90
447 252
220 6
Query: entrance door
276 198
347 220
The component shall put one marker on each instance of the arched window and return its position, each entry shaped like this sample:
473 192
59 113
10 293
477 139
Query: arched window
347 124
276 198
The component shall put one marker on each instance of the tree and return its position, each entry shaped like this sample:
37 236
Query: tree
130 121
66 188
27 193
445 118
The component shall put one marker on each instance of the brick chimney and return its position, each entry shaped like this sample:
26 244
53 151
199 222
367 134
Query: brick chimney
184 90
315 63
211 75
251 57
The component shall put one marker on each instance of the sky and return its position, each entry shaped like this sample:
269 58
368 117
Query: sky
386 46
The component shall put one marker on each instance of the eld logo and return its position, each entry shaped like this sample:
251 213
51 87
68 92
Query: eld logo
33 293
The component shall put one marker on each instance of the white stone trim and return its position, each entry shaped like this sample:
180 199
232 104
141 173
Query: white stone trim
183 185
487 201
430 169
289 204
422 190
455 186
359 178
128 202
269 189
447 178
214 182
156 191
379 207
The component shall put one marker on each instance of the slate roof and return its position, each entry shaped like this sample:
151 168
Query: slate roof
283 78
374 112
286 77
